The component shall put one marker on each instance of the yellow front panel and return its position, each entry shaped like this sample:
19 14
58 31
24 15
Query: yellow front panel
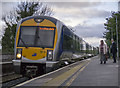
30 22
34 54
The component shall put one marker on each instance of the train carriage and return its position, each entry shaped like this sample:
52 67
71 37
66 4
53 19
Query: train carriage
42 42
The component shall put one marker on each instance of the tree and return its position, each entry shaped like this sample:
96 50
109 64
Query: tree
22 10
110 27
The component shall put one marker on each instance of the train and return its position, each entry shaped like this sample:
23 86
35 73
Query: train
43 43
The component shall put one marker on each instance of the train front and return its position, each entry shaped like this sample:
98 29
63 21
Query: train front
35 42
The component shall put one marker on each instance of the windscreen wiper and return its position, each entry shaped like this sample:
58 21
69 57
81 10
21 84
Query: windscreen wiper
38 37
24 43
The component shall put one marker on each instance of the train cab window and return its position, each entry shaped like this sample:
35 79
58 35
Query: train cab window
27 36
36 37
46 37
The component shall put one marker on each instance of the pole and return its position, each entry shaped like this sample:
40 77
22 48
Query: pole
117 39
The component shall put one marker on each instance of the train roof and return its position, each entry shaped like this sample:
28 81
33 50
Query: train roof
54 20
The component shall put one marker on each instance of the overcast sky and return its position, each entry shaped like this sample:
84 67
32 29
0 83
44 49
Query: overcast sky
86 18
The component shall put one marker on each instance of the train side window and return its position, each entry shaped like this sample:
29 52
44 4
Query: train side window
67 43
67 39
81 45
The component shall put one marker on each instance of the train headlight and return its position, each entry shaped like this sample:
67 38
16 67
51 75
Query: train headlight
50 52
19 54
49 55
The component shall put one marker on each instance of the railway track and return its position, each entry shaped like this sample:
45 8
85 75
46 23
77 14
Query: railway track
9 77
14 82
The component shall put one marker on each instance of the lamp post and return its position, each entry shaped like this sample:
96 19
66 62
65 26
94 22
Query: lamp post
117 39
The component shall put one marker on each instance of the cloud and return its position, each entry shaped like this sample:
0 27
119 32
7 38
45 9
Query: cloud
74 13
80 12
7 7
94 13
74 4
94 41
119 6
74 19
87 9
95 30
1 28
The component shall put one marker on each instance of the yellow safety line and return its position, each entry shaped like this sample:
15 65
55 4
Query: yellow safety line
76 75
60 79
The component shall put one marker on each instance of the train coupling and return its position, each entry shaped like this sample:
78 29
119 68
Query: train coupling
31 71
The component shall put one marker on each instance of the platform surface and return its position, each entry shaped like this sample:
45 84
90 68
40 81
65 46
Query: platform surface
82 74
96 74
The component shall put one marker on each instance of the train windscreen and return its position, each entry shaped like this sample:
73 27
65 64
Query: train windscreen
36 37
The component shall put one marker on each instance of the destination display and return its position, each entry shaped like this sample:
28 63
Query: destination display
46 28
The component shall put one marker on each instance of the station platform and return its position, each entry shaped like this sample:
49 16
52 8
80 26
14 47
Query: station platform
88 73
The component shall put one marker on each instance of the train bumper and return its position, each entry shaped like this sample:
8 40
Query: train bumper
17 66
51 65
